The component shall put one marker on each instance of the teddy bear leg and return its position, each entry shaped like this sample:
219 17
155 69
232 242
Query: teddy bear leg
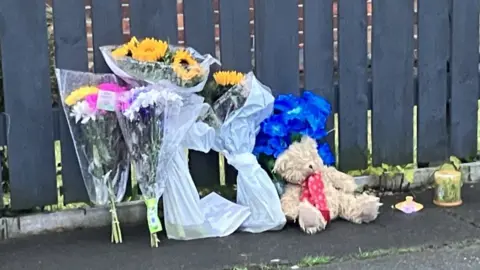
340 180
290 202
310 219
358 209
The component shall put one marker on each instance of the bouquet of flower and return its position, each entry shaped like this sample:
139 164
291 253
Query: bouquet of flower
292 118
224 94
144 122
154 61
89 101
239 104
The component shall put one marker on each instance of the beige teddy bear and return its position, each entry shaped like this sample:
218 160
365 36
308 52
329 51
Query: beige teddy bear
316 194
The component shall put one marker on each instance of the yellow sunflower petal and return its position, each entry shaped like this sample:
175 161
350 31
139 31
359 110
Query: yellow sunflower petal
120 51
228 78
150 49
133 43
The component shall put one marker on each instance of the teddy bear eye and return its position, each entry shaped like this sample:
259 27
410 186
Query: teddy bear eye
310 166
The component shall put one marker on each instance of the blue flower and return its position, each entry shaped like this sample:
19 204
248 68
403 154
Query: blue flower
278 145
316 103
326 154
297 112
274 126
285 103
293 117
316 134
297 125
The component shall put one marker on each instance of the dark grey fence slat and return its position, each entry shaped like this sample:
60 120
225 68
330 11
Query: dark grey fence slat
433 56
106 28
353 84
154 18
3 129
199 34
235 47
25 62
464 68
392 68
318 53
70 53
198 23
276 45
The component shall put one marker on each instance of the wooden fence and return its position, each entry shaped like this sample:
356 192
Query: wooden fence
441 78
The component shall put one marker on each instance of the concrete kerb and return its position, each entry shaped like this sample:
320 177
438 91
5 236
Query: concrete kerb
128 213
134 212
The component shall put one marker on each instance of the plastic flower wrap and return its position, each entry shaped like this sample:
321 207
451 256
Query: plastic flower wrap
241 104
224 94
145 122
89 102
153 61
187 216
293 117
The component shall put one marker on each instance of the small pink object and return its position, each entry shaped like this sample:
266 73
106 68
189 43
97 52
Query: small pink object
409 205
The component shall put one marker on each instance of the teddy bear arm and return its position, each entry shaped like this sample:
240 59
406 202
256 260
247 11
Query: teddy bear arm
291 201
340 180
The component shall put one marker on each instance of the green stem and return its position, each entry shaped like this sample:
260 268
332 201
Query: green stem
116 229
154 240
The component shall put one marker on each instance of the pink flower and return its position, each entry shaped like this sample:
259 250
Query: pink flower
113 87
92 101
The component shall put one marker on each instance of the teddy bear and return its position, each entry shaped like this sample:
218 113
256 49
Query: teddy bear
316 194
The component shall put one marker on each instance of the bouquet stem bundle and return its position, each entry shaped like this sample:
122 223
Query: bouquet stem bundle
116 229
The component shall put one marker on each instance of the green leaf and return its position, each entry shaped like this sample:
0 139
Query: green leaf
377 171
355 173
456 162
409 174
296 137
385 167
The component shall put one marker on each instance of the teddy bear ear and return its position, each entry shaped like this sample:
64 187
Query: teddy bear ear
309 141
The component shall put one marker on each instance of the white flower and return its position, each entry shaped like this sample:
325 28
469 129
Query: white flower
160 98
82 112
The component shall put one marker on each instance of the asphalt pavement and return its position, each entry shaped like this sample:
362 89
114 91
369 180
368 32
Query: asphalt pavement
435 238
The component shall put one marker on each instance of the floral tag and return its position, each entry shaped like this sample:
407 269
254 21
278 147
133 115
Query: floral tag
106 100
154 224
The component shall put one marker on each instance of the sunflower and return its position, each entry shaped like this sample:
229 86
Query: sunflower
132 44
121 51
228 78
185 66
149 50
80 94
125 49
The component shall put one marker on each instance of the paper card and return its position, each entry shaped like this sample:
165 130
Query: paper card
106 100
154 224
